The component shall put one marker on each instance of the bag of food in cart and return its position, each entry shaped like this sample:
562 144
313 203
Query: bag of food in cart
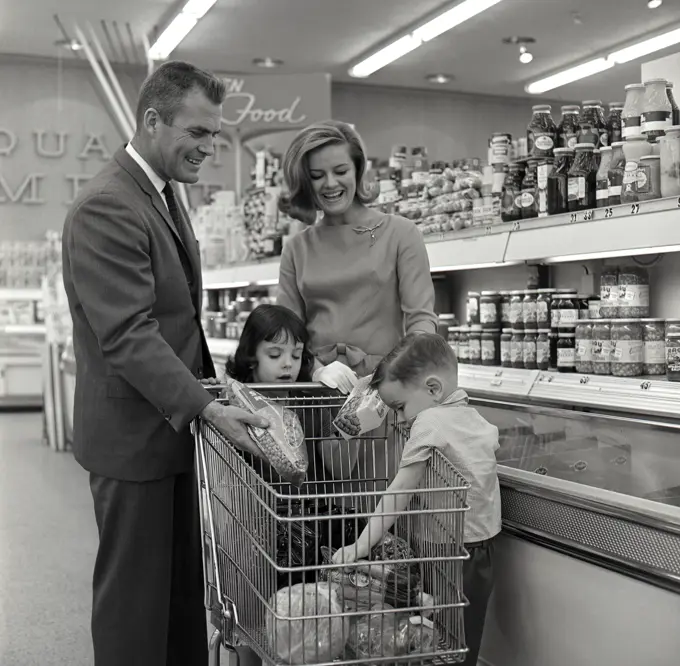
402 579
311 641
362 412
283 443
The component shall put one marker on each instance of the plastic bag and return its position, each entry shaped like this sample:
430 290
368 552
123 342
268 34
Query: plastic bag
362 412
283 443
307 641
402 580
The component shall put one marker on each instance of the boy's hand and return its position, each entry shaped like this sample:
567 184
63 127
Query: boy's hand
209 381
349 554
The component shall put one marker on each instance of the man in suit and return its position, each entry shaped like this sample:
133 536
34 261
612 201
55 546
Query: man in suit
133 278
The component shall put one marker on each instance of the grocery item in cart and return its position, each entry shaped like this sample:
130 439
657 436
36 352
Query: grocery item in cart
362 412
310 641
283 443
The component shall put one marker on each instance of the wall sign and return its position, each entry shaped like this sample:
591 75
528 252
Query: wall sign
262 104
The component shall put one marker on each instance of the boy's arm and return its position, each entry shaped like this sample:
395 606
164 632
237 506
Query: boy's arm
405 483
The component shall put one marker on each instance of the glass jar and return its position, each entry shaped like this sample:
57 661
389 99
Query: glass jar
543 299
568 129
601 336
582 306
545 167
500 148
529 309
516 305
464 345
594 308
475 344
672 326
541 132
511 202
617 169
529 350
627 359
543 349
675 116
673 357
634 149
506 356
568 307
593 124
555 303
558 189
633 298
584 347
653 337
649 178
505 308
582 178
445 321
491 353
517 348
566 352
489 310
670 162
614 122
609 293
473 307
602 178
657 111
632 110
529 194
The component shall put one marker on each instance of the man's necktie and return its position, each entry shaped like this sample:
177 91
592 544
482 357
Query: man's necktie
180 224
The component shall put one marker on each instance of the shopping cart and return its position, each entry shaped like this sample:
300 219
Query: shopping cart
264 541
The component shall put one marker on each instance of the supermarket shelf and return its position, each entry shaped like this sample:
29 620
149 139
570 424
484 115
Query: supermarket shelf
654 397
649 227
21 294
24 329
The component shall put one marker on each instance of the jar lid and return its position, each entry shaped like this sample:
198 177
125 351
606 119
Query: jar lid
650 81
633 139
570 107
505 135
650 157
542 108
464 329
619 144
669 84
616 105
673 336
454 328
489 293
602 150
634 86
592 102
566 335
585 146
563 151
473 293
507 330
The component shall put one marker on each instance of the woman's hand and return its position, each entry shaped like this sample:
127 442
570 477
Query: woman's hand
350 554
336 375
209 381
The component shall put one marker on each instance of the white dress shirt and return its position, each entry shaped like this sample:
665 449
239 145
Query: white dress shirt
155 179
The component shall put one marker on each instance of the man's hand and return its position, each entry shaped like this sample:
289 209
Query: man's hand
231 422
209 381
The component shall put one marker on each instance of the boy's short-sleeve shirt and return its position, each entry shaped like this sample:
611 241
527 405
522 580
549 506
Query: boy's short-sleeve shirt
470 443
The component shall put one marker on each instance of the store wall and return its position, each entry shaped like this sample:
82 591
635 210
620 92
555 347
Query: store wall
62 103
450 125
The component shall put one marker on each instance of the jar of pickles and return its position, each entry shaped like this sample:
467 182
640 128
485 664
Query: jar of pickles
464 345
633 297
517 348
543 299
601 335
506 339
543 349
491 339
476 344
673 357
529 309
473 307
529 350
654 338
489 310
516 308
627 359
584 346
566 352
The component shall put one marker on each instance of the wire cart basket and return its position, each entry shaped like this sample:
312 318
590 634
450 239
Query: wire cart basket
270 583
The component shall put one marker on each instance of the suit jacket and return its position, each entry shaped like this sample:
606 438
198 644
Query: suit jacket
134 288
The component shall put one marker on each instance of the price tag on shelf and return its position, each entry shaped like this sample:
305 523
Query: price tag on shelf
608 213
635 209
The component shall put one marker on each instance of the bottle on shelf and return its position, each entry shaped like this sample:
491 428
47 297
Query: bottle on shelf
602 178
582 178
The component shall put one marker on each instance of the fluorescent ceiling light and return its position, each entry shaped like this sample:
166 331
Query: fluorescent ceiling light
179 28
646 47
598 65
569 76
446 21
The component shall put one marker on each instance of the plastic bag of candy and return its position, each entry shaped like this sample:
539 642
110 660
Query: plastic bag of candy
362 412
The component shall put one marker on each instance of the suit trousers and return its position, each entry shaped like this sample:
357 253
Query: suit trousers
147 605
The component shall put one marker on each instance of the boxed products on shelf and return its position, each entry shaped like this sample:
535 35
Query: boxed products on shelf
22 263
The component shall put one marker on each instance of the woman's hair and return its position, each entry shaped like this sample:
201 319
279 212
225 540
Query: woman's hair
299 202
415 355
269 323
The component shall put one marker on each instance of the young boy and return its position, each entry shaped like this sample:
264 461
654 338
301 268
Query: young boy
419 381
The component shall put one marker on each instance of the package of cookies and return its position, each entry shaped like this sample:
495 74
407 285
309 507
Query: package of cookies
362 412
283 443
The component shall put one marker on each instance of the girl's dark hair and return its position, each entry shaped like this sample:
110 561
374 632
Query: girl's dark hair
269 323
416 354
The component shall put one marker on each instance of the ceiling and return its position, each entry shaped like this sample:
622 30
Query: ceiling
330 35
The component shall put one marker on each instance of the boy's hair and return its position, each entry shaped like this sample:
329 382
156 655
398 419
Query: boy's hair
416 355
269 323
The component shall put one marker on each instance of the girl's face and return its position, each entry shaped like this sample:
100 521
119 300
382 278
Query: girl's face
333 178
279 361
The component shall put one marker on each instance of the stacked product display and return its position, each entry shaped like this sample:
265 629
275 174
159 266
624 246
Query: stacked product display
224 318
560 329
590 160
22 263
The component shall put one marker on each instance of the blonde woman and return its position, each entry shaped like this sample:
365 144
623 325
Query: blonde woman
358 278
